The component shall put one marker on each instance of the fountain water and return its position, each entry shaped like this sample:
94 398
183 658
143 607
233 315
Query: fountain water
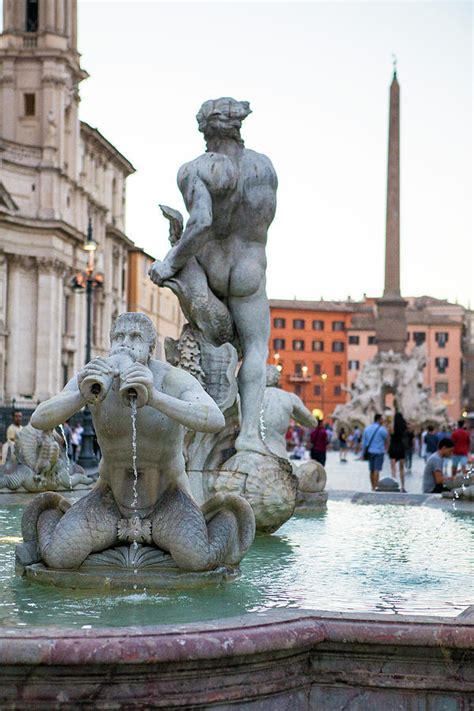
66 450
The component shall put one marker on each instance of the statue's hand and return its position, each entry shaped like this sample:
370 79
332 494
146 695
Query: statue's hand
99 369
137 374
160 272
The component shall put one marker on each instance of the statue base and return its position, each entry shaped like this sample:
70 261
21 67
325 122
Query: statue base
311 501
133 568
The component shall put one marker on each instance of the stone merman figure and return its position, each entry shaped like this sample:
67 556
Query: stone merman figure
172 401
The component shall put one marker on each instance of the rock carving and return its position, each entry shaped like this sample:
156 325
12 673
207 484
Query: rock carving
396 373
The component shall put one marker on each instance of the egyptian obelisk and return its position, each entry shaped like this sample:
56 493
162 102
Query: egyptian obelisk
391 327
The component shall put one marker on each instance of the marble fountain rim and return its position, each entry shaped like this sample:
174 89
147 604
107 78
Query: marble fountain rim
251 634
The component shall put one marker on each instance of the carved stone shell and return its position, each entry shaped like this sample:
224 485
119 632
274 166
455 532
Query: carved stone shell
266 481
311 477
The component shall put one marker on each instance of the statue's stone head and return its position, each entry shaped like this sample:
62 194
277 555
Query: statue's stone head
135 334
273 376
222 118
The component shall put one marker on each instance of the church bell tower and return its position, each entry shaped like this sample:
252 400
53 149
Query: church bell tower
39 79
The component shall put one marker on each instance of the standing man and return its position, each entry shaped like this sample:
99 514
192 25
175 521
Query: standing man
431 442
462 445
433 479
374 442
319 443
12 432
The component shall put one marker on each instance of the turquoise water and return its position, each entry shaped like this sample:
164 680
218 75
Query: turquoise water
351 558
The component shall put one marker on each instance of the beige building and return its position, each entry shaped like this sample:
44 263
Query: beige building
160 304
56 173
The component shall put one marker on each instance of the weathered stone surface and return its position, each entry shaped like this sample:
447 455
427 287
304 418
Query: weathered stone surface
307 501
266 482
388 484
272 660
114 578
312 477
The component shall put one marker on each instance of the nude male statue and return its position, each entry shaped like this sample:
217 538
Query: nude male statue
230 194
174 400
279 407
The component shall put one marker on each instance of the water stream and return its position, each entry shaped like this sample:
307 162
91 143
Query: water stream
69 466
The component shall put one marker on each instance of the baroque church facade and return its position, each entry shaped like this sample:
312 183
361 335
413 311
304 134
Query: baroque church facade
57 173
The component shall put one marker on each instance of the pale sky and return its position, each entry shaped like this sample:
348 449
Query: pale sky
317 77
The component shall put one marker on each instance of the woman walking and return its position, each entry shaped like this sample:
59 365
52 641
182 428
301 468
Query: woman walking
396 450
342 445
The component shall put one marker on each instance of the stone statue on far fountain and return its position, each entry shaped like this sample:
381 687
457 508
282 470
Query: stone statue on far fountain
279 408
151 504
216 266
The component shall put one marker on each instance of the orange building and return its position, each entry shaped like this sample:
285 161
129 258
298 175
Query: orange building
321 347
160 304
309 345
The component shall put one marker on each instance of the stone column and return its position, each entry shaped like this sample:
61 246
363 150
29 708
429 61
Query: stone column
49 320
391 326
392 234
21 326
49 15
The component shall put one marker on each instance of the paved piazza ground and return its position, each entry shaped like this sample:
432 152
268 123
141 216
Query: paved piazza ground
354 476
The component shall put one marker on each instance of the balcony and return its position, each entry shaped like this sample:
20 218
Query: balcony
296 378
30 41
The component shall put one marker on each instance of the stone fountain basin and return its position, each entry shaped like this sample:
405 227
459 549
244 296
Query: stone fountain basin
274 658
271 660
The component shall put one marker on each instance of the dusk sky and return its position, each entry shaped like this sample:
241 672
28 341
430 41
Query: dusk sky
317 77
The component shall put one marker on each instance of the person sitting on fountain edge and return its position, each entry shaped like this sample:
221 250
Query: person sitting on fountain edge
159 499
433 479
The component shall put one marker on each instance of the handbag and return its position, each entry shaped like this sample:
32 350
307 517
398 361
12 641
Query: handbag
365 454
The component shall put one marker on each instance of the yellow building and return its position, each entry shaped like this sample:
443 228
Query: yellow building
160 304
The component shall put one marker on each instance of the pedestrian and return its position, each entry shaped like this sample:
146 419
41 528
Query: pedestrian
76 439
396 450
12 432
431 442
357 439
433 480
319 443
409 444
462 445
374 446
342 437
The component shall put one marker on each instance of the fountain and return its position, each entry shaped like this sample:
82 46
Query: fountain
188 471
40 462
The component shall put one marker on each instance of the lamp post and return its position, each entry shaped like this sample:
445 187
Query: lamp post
87 457
304 370
324 377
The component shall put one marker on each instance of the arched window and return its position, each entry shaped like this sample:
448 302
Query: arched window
31 19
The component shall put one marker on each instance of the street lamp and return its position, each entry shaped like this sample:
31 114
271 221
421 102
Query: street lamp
87 458
304 370
324 377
